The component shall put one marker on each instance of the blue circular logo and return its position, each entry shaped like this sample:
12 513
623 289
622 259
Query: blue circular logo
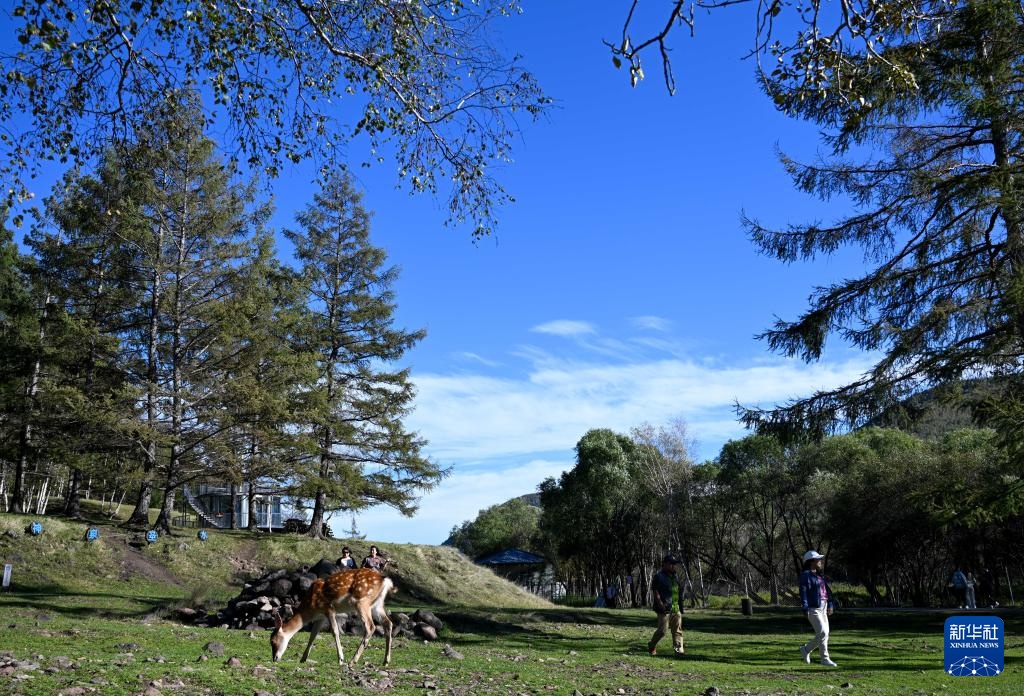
35 529
92 534
202 535
151 536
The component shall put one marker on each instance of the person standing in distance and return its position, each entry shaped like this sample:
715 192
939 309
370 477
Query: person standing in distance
818 604
665 588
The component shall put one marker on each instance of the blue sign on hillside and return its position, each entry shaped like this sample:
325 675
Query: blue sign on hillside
151 536
202 535
974 646
92 534
35 529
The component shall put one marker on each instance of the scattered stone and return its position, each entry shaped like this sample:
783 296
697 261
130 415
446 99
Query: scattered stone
449 651
128 647
203 658
42 618
428 617
712 691
214 648
848 685
74 691
573 653
151 691
429 685
577 692
426 631
233 662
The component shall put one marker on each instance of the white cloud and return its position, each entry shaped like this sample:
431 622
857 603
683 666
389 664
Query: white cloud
565 328
473 357
651 323
503 434
474 417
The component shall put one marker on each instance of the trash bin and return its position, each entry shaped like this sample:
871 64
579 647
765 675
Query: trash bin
747 606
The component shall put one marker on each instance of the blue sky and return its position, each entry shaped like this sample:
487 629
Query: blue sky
620 288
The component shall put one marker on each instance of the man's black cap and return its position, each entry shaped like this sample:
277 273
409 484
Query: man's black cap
671 559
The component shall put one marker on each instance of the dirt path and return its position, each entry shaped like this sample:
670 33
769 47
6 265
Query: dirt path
135 563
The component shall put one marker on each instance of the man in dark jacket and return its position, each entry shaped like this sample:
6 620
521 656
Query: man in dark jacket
668 603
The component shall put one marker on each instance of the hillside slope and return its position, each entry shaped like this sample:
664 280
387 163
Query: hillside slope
61 561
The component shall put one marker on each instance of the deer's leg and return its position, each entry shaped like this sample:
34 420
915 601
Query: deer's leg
385 622
337 637
314 629
368 629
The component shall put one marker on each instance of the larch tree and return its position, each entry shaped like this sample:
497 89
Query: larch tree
934 174
199 227
364 454
261 405
19 330
89 266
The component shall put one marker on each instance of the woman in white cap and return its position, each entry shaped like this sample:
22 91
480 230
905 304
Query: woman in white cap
817 601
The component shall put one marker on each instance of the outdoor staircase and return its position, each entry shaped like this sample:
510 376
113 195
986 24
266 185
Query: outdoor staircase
201 509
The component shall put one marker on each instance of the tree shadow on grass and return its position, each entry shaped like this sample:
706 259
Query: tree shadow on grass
902 642
93 604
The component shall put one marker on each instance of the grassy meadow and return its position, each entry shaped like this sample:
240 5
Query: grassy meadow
85 617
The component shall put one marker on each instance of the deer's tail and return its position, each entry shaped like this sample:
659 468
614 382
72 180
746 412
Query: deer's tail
377 608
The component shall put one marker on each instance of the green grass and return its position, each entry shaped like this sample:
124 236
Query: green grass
89 622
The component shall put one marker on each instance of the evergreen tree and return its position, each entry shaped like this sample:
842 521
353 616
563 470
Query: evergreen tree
262 407
935 174
88 262
364 454
197 223
19 329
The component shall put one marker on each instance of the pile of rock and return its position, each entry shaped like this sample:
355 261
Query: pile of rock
279 591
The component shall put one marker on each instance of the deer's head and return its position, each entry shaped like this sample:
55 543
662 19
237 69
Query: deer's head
278 639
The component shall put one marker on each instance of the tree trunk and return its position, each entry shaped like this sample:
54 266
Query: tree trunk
252 522
72 507
316 523
25 432
166 516
140 515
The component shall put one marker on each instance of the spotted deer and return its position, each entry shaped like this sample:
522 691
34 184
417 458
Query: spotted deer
361 589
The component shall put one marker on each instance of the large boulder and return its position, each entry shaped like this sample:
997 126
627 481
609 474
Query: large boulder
323 568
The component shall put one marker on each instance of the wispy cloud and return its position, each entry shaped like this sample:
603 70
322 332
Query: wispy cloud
473 357
651 323
476 417
504 431
565 328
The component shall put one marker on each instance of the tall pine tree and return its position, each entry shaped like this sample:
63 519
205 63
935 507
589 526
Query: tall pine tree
364 454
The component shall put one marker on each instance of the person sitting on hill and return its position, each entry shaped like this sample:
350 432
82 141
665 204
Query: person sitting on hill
346 560
375 560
